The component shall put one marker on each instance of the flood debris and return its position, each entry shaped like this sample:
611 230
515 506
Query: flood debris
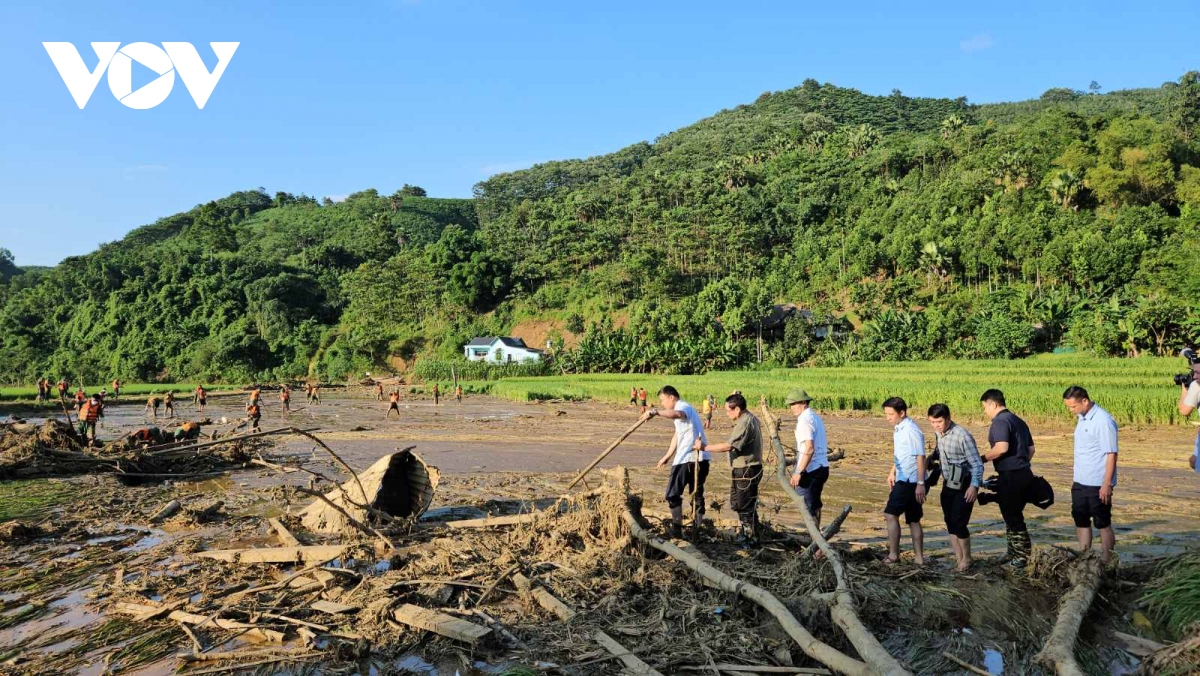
398 485
582 584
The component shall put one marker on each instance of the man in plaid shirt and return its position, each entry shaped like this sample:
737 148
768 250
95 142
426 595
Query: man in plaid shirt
960 458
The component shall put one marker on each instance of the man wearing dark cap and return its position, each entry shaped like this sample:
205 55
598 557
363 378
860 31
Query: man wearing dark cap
745 457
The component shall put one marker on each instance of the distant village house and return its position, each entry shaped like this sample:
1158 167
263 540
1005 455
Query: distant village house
500 349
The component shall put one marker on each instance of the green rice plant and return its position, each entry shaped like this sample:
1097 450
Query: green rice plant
1135 391
1174 595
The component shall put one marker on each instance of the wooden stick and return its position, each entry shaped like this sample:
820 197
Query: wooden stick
843 610
830 530
966 665
1059 651
178 445
603 455
503 576
631 661
814 648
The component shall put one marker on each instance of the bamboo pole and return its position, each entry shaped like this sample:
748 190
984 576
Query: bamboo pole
603 455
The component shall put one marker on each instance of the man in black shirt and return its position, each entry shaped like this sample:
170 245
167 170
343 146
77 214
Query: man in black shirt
1011 451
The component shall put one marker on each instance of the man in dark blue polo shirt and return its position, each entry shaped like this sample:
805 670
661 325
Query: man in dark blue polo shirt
1011 450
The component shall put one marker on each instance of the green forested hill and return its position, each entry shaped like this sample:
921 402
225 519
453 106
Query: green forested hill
930 227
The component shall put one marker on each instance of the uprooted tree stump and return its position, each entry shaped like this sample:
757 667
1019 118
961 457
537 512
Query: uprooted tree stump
399 485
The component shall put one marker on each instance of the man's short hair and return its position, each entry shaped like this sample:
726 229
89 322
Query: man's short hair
669 391
1076 392
736 400
993 395
896 404
939 411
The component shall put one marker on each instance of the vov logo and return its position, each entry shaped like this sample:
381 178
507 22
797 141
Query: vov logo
172 57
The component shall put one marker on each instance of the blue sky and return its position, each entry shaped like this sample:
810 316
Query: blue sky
328 99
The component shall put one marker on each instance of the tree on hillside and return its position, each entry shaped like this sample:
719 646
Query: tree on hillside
411 191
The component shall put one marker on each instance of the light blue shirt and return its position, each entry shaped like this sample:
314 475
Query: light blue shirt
687 429
908 443
1095 439
810 428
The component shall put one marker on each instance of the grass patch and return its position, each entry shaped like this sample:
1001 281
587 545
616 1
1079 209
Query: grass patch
24 498
1174 596
127 390
1133 390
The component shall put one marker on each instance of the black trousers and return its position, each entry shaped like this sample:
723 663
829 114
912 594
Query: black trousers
743 489
1012 490
683 478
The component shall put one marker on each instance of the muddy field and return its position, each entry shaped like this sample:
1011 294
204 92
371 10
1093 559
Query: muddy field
494 453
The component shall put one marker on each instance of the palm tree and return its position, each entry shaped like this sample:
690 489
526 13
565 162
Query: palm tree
1064 187
815 142
951 126
934 261
861 139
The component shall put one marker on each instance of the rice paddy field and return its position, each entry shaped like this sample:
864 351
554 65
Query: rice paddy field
1137 391
127 390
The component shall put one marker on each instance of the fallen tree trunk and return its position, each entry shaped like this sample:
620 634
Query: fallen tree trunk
814 648
1059 651
843 610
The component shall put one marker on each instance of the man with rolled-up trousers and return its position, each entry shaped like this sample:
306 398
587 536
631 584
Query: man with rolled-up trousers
1011 451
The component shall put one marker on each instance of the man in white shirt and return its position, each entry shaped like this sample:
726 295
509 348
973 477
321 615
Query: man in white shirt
907 481
812 452
1095 471
688 428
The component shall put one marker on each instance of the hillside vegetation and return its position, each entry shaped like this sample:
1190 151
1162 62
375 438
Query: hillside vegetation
919 228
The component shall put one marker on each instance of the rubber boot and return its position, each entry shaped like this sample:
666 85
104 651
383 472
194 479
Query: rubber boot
749 532
1019 548
1024 547
675 531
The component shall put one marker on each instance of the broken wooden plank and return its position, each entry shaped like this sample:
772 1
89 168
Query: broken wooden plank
146 610
332 607
759 669
303 554
440 623
1136 645
632 663
544 598
285 535
492 521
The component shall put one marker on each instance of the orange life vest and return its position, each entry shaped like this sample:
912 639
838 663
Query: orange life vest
91 410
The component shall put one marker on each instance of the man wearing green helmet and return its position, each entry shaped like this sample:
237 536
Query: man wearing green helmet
812 452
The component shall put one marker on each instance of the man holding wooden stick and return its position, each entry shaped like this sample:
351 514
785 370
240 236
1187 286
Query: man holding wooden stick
745 458
686 473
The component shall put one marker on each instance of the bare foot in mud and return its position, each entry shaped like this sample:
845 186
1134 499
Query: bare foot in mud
891 561
964 566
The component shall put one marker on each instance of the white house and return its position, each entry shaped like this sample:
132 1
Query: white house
500 349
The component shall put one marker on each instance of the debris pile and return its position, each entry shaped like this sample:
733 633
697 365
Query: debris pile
54 449
581 584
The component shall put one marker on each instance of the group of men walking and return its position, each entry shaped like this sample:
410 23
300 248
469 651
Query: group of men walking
956 461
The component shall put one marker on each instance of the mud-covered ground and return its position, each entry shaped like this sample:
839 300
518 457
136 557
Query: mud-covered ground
502 449
491 452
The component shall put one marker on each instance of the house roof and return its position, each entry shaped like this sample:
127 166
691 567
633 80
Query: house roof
485 341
